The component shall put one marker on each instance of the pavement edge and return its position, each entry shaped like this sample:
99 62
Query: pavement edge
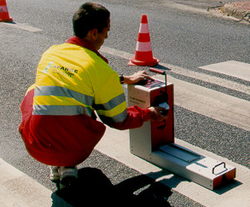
238 10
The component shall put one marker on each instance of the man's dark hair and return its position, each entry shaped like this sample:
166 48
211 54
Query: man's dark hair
90 16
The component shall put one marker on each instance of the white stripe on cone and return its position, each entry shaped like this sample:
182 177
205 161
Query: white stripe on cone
144 28
143 46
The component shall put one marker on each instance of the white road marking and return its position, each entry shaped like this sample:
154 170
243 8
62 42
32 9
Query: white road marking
115 144
213 104
18 189
212 79
210 103
23 26
186 8
232 68
115 52
200 76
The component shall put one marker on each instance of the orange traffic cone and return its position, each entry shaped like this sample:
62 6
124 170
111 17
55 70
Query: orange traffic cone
4 14
143 52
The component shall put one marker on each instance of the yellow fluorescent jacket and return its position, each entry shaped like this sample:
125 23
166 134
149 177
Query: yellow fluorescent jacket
73 80
59 126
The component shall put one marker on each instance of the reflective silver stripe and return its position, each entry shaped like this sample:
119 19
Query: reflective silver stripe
61 91
111 104
61 110
114 119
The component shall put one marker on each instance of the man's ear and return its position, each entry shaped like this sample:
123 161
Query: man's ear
94 33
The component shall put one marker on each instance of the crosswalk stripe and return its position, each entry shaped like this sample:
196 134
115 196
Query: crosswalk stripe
213 104
198 75
231 68
211 79
18 189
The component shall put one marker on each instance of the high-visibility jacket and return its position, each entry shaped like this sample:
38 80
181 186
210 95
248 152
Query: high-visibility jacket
73 80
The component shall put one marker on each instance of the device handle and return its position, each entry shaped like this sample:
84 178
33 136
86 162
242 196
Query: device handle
222 163
155 70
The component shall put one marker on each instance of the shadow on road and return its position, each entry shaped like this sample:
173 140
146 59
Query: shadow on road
95 188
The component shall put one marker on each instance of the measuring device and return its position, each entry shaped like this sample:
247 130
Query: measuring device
155 142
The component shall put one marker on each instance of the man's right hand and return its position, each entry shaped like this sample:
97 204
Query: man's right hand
157 113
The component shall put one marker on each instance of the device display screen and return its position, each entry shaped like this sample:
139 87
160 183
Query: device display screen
153 84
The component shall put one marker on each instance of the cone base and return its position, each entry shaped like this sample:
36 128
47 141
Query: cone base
6 20
151 63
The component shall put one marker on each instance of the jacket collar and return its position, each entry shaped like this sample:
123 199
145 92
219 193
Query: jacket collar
86 44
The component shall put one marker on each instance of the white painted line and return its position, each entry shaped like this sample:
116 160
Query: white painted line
232 68
23 26
115 144
200 76
213 104
183 7
115 52
17 189
210 79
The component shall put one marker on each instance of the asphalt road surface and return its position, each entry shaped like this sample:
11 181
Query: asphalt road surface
183 40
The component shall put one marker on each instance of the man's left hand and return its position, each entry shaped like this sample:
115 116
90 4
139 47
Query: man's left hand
137 77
